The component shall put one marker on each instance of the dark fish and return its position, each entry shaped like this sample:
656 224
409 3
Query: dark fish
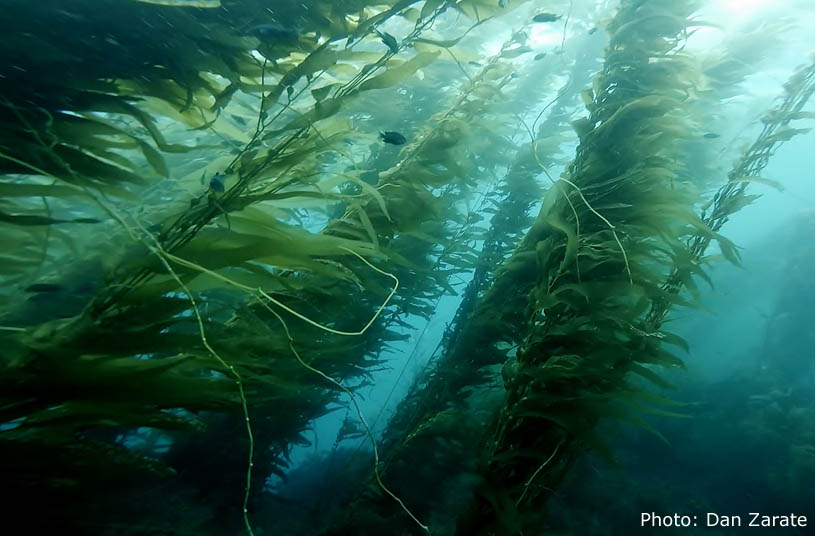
43 287
394 138
503 3
389 40
475 63
540 56
546 17
273 32
593 30
711 135
216 183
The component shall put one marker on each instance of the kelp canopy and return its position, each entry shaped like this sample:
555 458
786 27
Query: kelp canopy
209 246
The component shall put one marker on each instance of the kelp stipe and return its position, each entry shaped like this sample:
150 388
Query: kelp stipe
222 297
141 313
636 183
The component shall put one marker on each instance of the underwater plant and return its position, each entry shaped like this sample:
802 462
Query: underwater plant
572 264
173 331
211 247
579 339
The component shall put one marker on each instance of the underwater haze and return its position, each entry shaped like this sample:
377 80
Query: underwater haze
407 267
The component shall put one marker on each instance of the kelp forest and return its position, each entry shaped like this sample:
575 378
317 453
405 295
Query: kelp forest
403 267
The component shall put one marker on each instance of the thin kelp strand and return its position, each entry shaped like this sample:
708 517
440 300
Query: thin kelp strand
460 66
164 256
751 164
532 478
416 150
353 399
565 26
259 125
288 309
332 330
156 249
549 176
610 225
47 238
29 166
441 257
560 94
187 225
238 380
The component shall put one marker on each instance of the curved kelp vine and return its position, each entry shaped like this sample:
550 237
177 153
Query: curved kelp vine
436 406
593 321
575 369
209 248
574 299
594 261
187 326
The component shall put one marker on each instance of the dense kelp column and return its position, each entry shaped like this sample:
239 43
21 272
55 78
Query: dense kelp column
595 322
521 188
762 403
614 162
166 327
575 292
599 251
208 246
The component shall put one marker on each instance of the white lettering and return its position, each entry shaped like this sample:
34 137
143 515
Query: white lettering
788 520
715 520
652 519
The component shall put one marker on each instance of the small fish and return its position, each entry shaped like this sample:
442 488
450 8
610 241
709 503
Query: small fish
475 63
711 135
216 183
274 32
540 56
389 40
546 17
394 138
503 3
593 31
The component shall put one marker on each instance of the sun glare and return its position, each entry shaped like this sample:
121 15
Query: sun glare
743 7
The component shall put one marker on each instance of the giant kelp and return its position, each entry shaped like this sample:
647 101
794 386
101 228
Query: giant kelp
142 320
571 235
230 313
581 316
586 344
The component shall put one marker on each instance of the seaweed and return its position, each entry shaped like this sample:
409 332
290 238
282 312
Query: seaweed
209 246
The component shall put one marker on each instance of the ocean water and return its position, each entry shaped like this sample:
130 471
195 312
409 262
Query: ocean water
449 267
